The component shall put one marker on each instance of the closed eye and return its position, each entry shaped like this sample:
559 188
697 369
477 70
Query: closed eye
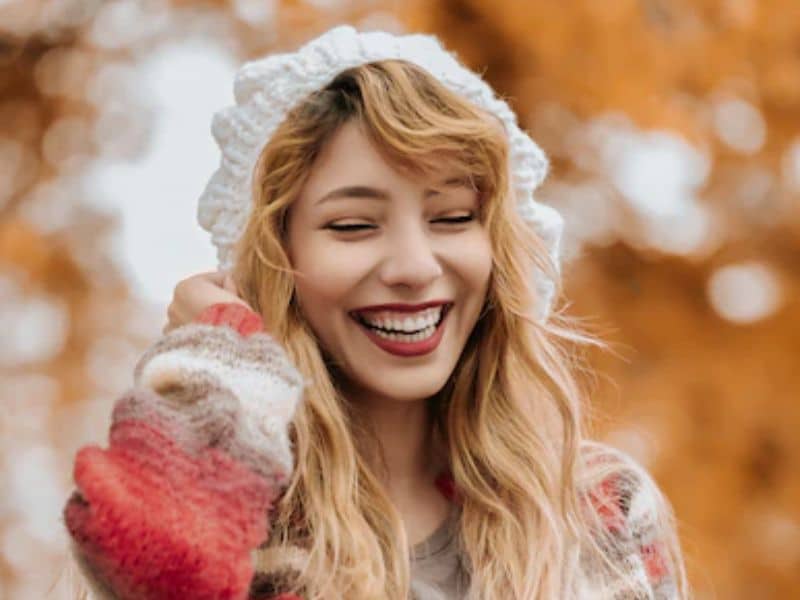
461 219
349 227
361 226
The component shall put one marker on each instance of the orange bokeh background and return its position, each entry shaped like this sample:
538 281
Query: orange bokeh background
673 130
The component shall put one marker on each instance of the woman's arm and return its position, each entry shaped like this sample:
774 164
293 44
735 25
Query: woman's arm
198 452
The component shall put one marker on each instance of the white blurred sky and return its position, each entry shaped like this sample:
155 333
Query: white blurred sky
159 241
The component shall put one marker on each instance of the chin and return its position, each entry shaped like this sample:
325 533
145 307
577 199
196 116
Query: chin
407 391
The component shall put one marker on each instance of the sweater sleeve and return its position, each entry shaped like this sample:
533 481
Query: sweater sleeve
650 525
198 451
639 533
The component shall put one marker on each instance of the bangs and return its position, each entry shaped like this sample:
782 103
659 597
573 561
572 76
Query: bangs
422 127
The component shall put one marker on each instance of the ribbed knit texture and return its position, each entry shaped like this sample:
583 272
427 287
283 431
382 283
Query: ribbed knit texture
198 451
178 505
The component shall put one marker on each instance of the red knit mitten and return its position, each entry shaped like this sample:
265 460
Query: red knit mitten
156 522
175 505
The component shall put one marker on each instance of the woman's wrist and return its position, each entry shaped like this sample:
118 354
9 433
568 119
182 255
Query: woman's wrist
235 315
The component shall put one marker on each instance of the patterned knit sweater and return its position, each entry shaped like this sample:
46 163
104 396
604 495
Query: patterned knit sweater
177 506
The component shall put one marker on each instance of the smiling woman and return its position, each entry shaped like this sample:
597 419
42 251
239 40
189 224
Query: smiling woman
383 227
401 253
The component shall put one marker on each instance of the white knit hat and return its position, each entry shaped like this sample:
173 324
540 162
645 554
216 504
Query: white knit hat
268 88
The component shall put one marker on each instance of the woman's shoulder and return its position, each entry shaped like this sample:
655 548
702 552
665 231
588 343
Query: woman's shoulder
603 469
619 488
632 521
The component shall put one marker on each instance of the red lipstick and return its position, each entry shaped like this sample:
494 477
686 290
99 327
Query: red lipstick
399 307
399 348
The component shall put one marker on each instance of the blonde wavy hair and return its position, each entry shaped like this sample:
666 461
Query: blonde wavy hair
509 417
508 420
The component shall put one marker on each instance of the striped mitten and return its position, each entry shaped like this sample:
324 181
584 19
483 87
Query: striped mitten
198 452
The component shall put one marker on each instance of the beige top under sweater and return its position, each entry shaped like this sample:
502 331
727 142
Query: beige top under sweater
437 572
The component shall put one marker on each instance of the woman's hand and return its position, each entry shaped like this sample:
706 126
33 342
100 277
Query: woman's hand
193 294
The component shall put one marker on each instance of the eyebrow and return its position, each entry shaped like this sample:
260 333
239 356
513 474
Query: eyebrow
364 191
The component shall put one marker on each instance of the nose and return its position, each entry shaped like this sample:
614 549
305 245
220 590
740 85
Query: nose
410 259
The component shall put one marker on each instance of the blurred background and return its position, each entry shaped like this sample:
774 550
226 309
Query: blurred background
673 127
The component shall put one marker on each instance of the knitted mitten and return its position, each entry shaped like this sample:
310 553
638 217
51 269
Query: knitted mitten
198 451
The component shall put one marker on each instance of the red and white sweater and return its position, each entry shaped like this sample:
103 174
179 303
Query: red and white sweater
177 506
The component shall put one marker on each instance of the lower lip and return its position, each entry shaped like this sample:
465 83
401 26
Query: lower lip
408 348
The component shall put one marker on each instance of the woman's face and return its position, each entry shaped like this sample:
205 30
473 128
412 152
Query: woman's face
409 242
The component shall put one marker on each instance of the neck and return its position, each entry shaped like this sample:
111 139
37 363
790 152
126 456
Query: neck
406 458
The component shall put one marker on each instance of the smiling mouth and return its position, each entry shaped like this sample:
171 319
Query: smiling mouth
361 321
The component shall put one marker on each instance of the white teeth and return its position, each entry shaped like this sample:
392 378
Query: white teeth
404 322
408 338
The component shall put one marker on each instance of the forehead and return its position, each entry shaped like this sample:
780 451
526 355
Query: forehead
350 156
349 150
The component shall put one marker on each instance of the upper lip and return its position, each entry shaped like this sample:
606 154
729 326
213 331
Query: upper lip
400 307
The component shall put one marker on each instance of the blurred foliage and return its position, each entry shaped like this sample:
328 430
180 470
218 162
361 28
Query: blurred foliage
673 128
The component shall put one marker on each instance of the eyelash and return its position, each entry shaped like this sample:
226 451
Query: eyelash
362 226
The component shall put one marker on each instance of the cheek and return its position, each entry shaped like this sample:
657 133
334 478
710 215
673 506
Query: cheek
473 259
329 271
